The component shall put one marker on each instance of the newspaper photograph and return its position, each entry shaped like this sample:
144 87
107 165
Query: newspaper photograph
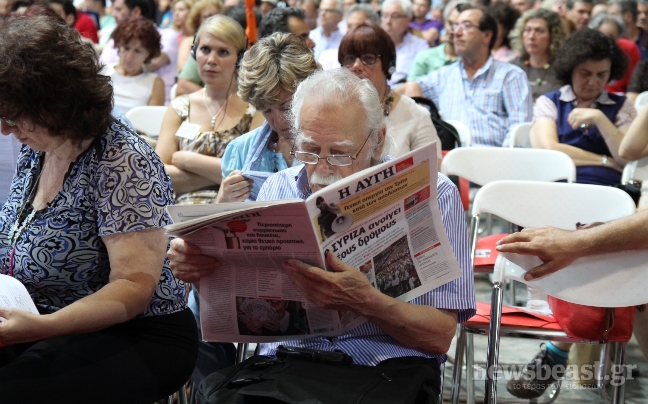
384 221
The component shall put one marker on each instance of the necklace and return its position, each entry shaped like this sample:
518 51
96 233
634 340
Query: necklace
389 101
273 145
539 80
214 116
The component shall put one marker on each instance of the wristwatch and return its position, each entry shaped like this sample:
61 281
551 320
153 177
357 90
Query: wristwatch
604 160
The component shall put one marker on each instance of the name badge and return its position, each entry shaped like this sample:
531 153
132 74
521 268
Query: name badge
188 130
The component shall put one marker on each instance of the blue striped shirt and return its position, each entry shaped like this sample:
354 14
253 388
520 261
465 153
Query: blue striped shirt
498 97
367 343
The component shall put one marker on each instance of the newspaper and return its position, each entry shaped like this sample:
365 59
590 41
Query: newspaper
384 221
14 295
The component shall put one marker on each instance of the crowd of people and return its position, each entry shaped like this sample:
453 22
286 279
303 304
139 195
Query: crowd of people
326 88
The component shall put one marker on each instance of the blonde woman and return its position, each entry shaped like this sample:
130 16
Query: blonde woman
197 127
198 13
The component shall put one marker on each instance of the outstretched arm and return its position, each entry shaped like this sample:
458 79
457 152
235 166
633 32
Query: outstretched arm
559 248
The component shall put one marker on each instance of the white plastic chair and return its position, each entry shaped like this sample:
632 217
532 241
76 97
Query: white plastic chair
464 132
172 93
147 119
483 165
635 171
537 204
521 135
641 101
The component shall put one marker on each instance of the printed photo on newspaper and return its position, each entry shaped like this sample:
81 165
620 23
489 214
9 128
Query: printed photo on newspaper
384 221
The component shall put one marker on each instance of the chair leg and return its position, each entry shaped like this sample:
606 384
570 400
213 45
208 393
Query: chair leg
470 369
619 375
442 383
182 395
241 352
458 363
493 344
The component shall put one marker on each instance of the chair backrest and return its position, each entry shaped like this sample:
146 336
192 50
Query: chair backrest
483 165
174 90
521 135
608 280
635 171
464 132
561 205
147 119
641 101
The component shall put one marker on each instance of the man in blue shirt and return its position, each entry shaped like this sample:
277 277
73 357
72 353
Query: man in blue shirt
339 118
488 96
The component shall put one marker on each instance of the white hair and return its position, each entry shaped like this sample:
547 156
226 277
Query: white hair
340 87
406 4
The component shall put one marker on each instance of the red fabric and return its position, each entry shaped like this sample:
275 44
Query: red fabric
588 322
513 317
485 252
250 19
630 49
86 27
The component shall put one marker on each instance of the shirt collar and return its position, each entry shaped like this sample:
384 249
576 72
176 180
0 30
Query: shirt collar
567 95
481 70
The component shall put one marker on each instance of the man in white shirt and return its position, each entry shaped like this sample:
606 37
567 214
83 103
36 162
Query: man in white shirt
327 35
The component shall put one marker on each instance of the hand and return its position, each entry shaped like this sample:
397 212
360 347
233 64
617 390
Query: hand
254 325
272 325
556 248
344 289
584 116
188 263
22 326
234 188
181 158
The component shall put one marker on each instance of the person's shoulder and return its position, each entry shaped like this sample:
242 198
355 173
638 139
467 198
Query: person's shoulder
414 110
415 41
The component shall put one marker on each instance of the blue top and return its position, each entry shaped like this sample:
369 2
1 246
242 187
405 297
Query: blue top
117 185
367 343
590 140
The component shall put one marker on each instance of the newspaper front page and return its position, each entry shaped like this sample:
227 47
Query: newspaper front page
384 221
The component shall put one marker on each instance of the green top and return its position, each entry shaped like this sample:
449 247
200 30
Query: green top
190 72
428 61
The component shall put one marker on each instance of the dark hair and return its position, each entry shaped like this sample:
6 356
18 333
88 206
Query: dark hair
277 20
238 14
588 44
570 3
486 22
626 6
504 14
147 7
68 7
142 29
50 77
369 37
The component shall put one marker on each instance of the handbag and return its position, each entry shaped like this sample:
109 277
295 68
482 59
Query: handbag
593 323
262 379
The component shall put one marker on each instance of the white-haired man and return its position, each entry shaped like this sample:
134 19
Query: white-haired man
340 130
327 35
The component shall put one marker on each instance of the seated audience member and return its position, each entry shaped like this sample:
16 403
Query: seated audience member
627 10
430 29
638 81
269 74
522 6
582 119
559 248
635 146
98 8
138 41
181 9
163 65
198 13
614 27
355 15
488 96
311 11
75 18
642 14
333 112
537 36
369 53
327 35
505 16
432 59
197 127
112 316
396 17
579 13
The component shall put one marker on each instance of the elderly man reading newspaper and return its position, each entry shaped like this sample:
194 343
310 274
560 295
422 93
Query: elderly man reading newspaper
338 122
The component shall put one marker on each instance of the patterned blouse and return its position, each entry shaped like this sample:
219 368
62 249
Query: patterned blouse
210 144
117 185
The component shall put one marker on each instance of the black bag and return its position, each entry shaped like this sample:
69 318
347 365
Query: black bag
262 379
447 133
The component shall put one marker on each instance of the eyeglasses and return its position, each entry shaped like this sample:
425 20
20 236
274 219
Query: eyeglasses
8 121
328 11
393 16
337 160
367 60
466 25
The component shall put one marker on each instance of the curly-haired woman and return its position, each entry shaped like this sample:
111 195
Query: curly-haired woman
82 230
